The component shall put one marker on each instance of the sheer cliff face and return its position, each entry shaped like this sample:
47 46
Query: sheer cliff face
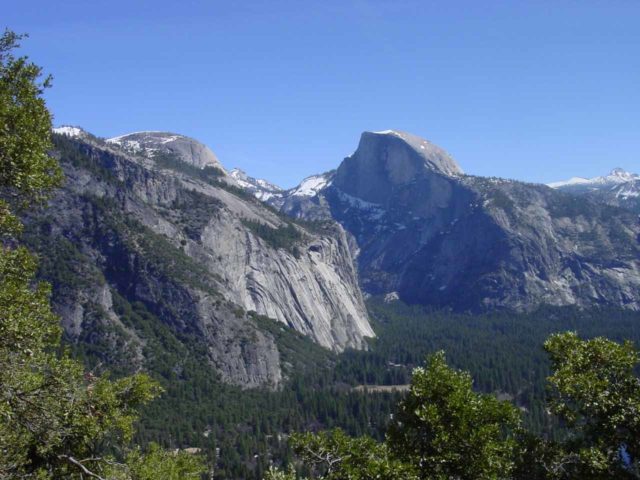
195 253
438 237
386 161
314 289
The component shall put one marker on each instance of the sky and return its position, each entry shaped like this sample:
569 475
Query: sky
533 90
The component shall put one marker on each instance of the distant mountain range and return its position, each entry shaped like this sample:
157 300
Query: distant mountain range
620 188
617 176
427 233
154 222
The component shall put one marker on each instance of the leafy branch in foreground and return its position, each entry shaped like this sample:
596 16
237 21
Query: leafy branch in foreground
449 430
56 420
26 170
596 393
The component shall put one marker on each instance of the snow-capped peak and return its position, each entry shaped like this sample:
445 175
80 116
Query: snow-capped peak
310 186
70 131
259 188
156 136
153 143
571 181
617 176
623 175
245 181
145 140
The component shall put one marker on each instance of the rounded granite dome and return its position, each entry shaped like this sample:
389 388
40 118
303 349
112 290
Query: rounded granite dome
185 148
388 159
434 157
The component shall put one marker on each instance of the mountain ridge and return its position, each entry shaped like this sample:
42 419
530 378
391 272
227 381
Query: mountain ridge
167 239
618 188
438 237
616 176
187 149
397 194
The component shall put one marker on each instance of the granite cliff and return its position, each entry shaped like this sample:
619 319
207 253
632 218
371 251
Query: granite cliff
157 229
426 233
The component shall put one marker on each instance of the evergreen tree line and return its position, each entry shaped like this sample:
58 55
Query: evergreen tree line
443 429
249 429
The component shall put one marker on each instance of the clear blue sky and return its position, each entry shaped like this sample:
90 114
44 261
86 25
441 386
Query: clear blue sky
535 90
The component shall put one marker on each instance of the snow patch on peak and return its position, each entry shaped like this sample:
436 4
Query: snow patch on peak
617 176
259 188
238 174
69 131
390 132
384 132
571 181
246 181
310 186
169 137
628 191
152 143
623 175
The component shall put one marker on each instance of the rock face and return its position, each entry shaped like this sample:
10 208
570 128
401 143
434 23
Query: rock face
184 148
434 236
193 252
313 289
385 161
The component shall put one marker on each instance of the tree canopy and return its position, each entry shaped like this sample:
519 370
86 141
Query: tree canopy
445 430
26 169
449 430
56 420
597 395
